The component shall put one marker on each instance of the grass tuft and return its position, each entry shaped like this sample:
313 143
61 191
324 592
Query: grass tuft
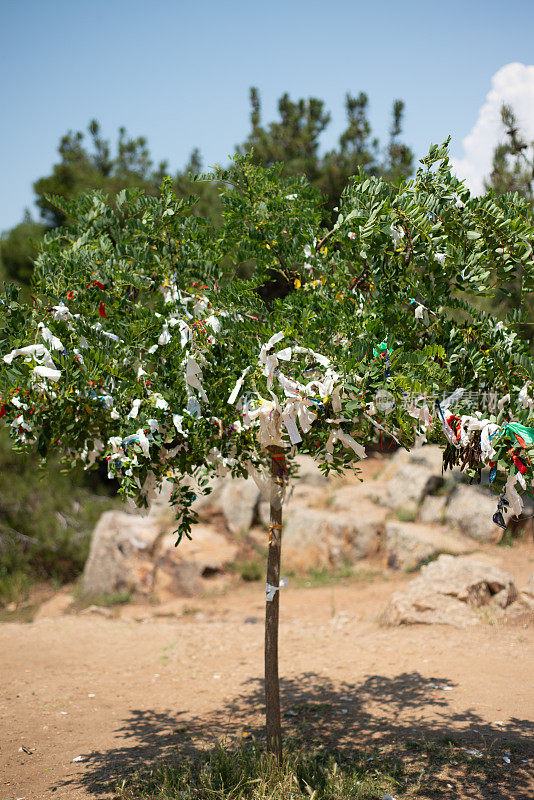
248 773
14 586
84 600
414 768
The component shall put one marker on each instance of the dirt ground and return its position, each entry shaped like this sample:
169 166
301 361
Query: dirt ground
84 696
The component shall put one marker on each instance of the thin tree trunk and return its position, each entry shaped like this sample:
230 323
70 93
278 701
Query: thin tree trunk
272 690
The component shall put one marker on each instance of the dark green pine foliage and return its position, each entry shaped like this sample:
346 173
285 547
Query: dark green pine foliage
513 175
295 141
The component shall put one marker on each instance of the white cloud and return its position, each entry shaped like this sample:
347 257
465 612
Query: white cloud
512 84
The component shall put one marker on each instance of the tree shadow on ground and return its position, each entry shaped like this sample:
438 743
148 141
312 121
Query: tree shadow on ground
407 717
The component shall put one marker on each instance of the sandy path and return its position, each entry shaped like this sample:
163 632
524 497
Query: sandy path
123 691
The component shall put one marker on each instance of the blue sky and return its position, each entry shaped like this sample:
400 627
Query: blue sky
179 72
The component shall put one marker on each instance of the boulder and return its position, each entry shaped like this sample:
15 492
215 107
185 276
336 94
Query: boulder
121 555
239 503
432 510
409 478
309 472
527 593
524 523
183 570
428 456
471 509
529 588
408 545
137 553
351 496
451 591
207 506
406 489
298 496
319 538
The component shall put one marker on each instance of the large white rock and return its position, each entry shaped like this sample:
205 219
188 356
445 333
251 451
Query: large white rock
317 538
408 478
471 509
298 496
208 506
239 504
428 456
137 553
408 545
527 593
432 510
182 570
309 472
529 587
351 496
121 555
452 590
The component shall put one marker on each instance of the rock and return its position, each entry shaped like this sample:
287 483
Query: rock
350 497
527 593
208 506
408 545
449 591
318 538
181 571
55 606
239 503
136 553
409 478
298 496
406 489
120 558
99 610
529 588
309 472
471 509
429 457
304 541
523 524
432 510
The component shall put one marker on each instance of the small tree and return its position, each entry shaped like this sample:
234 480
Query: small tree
141 346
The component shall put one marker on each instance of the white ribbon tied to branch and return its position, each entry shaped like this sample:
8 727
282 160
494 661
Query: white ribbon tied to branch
270 590
193 376
49 337
267 412
270 360
299 405
347 441
238 386
512 495
46 367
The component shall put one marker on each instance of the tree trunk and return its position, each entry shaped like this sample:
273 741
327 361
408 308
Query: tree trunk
272 690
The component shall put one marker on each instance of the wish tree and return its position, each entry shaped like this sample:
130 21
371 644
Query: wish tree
179 351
